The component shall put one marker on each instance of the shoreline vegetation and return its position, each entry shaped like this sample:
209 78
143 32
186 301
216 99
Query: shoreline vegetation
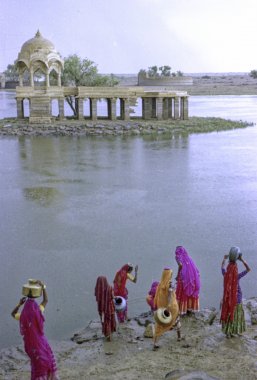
204 353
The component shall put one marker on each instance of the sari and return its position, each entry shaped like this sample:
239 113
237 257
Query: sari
232 313
105 305
188 282
151 295
43 365
161 299
119 288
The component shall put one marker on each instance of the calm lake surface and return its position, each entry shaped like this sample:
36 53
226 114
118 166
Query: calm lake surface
76 208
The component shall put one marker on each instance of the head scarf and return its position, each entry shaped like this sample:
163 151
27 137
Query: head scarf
104 299
189 273
120 281
230 293
36 345
153 289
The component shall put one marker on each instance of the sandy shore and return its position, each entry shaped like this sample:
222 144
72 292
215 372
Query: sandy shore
204 349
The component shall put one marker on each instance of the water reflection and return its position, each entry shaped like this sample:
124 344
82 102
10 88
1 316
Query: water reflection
45 196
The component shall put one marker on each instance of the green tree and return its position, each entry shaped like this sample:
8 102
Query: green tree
142 72
253 74
165 71
11 73
153 71
83 72
179 73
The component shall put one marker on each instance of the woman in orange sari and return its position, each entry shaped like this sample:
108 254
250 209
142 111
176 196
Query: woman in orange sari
165 297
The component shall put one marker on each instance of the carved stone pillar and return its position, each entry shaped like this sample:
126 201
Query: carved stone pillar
111 103
80 108
176 108
124 109
165 108
20 80
47 80
31 78
184 105
61 108
170 108
159 108
20 108
59 84
147 108
93 108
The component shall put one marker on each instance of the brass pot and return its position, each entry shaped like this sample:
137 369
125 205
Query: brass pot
163 316
32 289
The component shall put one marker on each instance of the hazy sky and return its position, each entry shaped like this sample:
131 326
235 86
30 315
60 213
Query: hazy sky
124 36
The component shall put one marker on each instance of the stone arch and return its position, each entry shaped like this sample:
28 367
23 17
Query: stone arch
53 77
39 78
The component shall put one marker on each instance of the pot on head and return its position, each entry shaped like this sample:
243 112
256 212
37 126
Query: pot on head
32 289
234 254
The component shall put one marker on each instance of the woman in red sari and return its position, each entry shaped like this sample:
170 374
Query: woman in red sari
43 365
232 312
121 277
104 298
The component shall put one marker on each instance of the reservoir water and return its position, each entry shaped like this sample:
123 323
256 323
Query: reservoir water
76 208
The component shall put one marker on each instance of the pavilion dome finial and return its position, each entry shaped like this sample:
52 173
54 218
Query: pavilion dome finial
38 34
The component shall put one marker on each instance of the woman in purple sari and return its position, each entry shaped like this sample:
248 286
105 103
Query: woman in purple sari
151 295
188 282
43 365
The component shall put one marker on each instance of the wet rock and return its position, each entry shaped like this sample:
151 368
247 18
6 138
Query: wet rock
91 333
148 333
181 374
212 317
251 305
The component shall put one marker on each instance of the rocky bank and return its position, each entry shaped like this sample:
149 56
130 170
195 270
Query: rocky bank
14 127
204 353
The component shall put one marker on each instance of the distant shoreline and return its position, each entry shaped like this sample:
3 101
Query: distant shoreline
204 84
211 84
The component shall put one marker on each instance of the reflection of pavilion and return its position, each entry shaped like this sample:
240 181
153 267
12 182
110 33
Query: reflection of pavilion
39 60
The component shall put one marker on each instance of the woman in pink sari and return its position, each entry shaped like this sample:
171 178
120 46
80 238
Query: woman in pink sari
119 287
43 365
188 282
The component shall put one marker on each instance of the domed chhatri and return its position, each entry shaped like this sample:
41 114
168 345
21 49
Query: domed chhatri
36 43
39 55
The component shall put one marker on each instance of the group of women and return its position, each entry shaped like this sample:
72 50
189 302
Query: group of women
166 302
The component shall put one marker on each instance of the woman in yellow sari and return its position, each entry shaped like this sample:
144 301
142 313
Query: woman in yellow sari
165 297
